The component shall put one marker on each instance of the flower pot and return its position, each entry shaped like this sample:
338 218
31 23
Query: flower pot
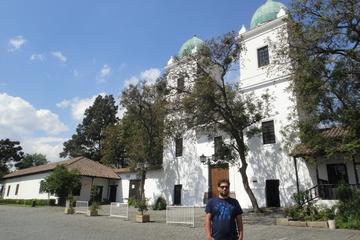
91 213
331 224
69 210
142 218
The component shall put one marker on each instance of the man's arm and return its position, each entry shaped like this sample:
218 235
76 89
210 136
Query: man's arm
240 226
208 226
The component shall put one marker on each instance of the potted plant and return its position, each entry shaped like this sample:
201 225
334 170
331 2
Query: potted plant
93 210
141 205
330 216
69 206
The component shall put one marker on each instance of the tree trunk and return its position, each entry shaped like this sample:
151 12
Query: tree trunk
142 184
242 171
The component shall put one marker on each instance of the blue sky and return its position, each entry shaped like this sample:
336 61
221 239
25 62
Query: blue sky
57 56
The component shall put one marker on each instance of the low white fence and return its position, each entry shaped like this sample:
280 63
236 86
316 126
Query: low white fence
181 215
120 210
81 207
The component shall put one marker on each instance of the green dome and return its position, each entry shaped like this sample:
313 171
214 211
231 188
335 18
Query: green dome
191 44
266 12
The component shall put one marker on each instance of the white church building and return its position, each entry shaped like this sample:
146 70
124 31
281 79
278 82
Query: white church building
274 175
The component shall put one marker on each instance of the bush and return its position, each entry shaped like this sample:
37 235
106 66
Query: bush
28 202
348 215
160 204
132 202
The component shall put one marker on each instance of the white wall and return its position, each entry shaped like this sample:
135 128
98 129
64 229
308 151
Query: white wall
29 187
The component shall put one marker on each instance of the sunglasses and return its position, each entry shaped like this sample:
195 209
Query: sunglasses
223 187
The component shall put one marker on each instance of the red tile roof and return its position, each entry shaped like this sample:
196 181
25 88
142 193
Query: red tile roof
85 166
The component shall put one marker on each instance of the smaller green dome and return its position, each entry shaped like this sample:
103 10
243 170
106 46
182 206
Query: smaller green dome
190 45
266 12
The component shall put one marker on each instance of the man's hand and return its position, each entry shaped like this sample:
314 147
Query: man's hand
240 226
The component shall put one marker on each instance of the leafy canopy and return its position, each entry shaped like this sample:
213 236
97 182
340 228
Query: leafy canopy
10 151
324 40
31 160
89 136
61 182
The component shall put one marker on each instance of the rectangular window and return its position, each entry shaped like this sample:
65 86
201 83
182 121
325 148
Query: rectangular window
8 191
268 132
217 147
76 191
180 84
263 56
17 189
178 147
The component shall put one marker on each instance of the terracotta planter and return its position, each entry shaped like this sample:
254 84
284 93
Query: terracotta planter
142 218
69 210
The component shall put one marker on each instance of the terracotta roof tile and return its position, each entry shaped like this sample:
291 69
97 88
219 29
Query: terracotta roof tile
85 166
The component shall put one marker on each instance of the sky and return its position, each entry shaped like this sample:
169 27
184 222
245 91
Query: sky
57 56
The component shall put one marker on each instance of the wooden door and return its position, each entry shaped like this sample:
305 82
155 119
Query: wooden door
134 189
217 173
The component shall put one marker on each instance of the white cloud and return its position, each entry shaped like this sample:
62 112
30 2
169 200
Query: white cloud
49 146
59 55
20 121
104 74
16 43
63 104
37 57
19 117
78 106
149 76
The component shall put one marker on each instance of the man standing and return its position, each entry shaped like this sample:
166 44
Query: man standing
223 220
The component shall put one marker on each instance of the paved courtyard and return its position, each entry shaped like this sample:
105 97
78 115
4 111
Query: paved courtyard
43 223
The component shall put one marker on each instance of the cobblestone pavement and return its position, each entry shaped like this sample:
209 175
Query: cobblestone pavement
43 223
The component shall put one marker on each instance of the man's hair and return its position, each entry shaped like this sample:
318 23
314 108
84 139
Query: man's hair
223 181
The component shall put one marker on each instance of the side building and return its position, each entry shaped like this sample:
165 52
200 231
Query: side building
25 183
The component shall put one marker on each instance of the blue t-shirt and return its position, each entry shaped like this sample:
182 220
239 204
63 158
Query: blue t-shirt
223 217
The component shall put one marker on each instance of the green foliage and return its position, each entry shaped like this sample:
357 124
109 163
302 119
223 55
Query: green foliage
28 202
95 206
348 215
141 205
160 204
325 56
87 141
9 151
61 182
306 211
143 125
113 151
132 202
31 160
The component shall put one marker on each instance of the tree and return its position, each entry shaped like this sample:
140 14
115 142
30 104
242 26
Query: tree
113 151
211 103
31 160
324 50
10 151
87 141
144 124
61 182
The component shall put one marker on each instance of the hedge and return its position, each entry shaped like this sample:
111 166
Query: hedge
39 202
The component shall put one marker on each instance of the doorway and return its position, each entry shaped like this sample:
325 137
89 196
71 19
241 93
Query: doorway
217 174
112 195
337 174
177 194
99 191
272 193
134 188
